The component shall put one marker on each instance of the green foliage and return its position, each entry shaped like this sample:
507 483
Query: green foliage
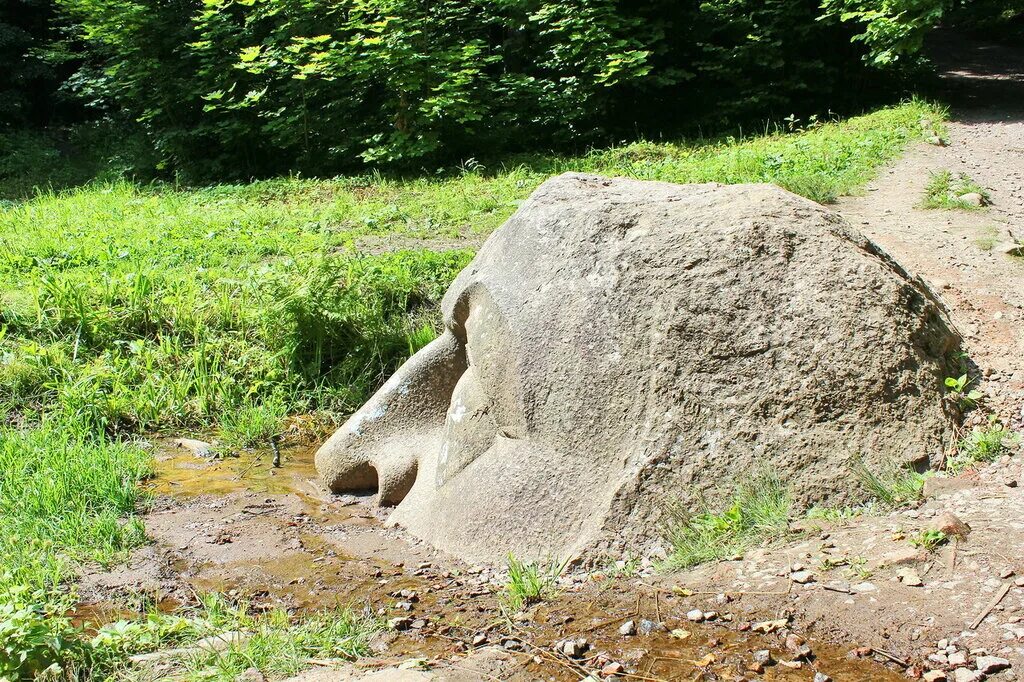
929 539
961 393
36 638
530 582
892 29
893 485
231 88
944 191
982 445
758 511
839 514
40 638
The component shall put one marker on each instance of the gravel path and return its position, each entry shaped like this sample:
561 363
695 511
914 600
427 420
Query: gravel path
962 254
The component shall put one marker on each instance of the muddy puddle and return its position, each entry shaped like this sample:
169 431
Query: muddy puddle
275 538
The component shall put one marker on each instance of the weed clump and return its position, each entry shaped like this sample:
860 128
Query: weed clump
530 582
758 511
946 191
929 539
892 485
982 444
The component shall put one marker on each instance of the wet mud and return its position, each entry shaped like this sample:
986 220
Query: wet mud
274 538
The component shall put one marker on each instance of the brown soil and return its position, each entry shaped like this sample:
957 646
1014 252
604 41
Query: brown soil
275 538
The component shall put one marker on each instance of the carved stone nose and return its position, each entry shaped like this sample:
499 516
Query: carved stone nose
379 447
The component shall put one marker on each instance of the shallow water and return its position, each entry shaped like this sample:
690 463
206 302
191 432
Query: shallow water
327 552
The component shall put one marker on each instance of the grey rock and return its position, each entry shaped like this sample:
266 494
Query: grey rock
649 626
570 354
628 629
695 616
974 199
991 664
802 577
763 657
821 677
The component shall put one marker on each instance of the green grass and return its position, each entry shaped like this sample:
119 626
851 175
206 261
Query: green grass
944 191
758 511
891 485
254 424
982 444
273 642
529 583
65 499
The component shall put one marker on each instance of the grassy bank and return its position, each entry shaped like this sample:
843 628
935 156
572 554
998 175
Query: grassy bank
128 308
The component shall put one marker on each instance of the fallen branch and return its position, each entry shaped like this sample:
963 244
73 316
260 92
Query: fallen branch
991 605
892 657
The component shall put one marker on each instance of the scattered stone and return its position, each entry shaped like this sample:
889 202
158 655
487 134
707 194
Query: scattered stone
222 642
950 525
679 633
573 648
910 578
974 199
479 639
957 659
1006 573
802 577
198 448
967 675
821 677
613 668
991 664
628 629
1019 581
512 645
419 624
695 616
399 624
901 557
934 676
763 657
797 646
404 606
649 626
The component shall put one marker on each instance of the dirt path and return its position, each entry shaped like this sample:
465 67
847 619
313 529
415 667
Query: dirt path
962 254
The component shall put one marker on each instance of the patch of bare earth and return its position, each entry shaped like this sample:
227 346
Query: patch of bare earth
276 539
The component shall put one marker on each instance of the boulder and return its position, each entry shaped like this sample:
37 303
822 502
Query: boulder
618 344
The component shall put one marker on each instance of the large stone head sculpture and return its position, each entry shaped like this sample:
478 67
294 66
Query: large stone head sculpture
618 344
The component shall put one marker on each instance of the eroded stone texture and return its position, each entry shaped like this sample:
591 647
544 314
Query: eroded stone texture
619 343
